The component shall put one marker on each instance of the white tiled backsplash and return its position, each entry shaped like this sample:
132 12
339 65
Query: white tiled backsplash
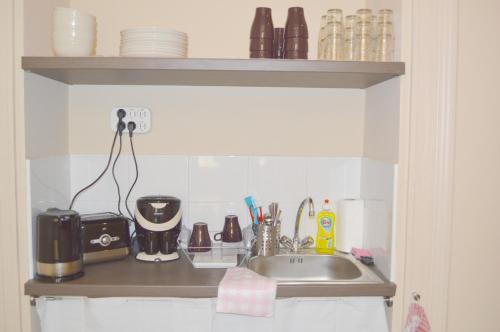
211 187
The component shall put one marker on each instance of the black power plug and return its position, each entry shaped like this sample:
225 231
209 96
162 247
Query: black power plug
131 127
121 114
120 126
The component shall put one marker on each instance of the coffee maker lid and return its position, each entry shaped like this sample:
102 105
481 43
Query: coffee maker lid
158 213
157 199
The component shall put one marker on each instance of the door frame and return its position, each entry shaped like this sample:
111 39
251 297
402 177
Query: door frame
11 260
426 163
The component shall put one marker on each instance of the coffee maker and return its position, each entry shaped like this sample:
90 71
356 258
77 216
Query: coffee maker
59 252
157 225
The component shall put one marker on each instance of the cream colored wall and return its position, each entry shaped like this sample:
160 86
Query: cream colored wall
224 120
38 25
215 28
46 118
219 120
474 285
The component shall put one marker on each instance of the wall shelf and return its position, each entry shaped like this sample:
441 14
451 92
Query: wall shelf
213 72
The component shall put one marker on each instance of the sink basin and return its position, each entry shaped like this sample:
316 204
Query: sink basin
311 268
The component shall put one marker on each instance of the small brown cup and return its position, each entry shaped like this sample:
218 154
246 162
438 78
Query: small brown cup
262 25
261 54
231 231
279 43
296 25
297 44
261 44
200 239
295 55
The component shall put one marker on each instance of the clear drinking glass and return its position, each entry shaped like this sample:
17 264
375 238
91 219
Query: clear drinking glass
384 50
351 21
335 15
349 49
385 29
385 47
364 41
374 34
350 33
335 49
322 38
365 15
363 48
385 16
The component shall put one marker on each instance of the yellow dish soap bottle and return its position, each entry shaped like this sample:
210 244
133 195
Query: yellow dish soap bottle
325 239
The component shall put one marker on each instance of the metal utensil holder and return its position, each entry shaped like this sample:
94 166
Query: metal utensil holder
267 240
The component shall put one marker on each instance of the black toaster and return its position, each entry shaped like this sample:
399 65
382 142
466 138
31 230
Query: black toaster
105 237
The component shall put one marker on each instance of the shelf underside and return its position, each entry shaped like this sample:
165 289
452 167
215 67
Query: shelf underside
213 72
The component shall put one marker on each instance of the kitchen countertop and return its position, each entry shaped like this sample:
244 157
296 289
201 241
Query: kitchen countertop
132 278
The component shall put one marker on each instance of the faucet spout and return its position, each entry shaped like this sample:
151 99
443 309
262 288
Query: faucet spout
296 239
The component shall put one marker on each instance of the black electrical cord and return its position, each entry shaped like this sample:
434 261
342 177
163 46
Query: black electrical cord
100 175
131 127
114 175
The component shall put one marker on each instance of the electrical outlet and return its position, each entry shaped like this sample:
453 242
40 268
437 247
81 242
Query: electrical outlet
140 115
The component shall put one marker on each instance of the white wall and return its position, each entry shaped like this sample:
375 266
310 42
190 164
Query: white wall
211 187
46 117
474 287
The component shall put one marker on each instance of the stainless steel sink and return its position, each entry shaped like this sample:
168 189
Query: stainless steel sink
307 267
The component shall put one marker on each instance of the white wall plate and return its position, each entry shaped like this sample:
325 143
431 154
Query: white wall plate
140 115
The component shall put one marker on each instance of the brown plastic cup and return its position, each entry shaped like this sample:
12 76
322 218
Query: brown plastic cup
262 25
200 239
279 43
261 54
296 25
297 44
231 231
261 44
295 55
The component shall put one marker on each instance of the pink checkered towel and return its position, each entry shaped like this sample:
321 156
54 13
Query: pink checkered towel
245 292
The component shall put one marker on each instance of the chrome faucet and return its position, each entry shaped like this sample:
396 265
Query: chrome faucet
296 244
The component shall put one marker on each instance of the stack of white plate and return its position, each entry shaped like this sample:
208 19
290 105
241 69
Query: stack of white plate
153 42
73 32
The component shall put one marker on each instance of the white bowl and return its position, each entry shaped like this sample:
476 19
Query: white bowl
79 49
75 42
79 37
74 26
62 19
67 12
56 25
77 32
